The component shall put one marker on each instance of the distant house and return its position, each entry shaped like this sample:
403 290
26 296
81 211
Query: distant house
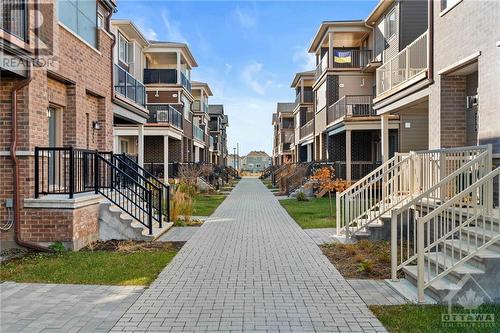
234 161
255 161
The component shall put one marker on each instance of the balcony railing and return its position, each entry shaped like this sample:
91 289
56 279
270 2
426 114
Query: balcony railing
345 58
211 142
156 76
128 86
307 129
165 114
14 18
198 133
307 97
185 81
407 64
359 169
351 105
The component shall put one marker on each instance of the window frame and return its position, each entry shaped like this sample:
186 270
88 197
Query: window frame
121 38
388 25
80 15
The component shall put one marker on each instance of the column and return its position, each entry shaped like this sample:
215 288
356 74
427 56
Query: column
330 50
384 127
348 155
327 147
178 67
165 159
140 145
116 143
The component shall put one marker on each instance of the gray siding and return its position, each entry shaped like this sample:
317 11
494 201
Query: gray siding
413 20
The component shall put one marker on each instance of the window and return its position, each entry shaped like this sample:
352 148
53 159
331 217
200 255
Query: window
448 4
100 21
187 107
391 23
81 17
123 49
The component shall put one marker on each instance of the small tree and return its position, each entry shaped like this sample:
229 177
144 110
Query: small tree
325 180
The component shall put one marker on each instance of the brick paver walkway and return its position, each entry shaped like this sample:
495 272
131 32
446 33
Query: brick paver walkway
250 268
40 307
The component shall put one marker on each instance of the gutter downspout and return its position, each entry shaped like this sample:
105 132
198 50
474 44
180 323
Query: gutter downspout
430 52
13 148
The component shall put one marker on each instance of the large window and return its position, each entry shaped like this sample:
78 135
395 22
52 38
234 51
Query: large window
391 23
123 48
187 107
81 17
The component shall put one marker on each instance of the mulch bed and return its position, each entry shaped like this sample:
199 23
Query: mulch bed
132 246
362 260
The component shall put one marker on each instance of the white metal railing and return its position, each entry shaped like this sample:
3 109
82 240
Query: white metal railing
307 129
408 63
395 183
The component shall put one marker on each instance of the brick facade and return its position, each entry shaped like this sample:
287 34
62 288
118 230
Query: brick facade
453 97
78 84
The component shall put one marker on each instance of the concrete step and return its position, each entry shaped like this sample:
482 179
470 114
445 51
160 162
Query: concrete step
437 289
445 261
408 291
457 245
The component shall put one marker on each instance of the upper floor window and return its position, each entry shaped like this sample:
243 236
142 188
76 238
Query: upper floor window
448 4
123 49
81 17
391 23
187 107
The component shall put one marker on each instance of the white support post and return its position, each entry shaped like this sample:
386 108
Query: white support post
384 127
301 91
348 156
116 143
140 145
420 261
394 247
165 159
330 50
178 53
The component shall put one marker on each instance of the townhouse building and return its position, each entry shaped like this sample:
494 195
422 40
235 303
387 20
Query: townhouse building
303 114
201 131
218 133
255 161
56 90
284 133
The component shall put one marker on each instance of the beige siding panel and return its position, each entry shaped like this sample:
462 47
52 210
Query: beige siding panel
355 85
320 121
417 136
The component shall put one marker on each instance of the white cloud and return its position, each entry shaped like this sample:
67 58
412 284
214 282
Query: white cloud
172 27
305 60
247 18
145 29
252 76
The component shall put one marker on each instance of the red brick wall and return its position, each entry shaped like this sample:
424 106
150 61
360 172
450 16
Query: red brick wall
79 83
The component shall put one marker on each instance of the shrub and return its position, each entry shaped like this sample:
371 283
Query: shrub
365 266
182 204
359 258
301 196
57 247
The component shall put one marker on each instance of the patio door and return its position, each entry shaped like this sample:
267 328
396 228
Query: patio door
53 157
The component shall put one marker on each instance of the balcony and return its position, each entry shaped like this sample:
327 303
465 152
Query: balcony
198 133
165 114
408 64
165 76
306 97
307 129
345 59
351 106
197 108
14 18
211 141
214 126
127 86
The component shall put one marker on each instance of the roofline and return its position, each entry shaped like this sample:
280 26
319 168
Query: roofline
323 28
380 8
202 85
132 24
183 46
299 75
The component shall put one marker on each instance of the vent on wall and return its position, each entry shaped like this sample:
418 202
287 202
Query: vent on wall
472 101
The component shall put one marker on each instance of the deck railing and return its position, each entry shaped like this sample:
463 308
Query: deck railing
351 105
407 64
165 114
307 129
128 86
198 133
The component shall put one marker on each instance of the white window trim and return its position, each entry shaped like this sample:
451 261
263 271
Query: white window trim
125 61
449 8
387 23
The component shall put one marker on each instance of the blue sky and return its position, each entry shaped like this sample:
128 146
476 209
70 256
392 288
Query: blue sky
247 51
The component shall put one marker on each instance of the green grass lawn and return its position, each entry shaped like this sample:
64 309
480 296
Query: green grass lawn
205 204
268 183
310 214
86 267
427 318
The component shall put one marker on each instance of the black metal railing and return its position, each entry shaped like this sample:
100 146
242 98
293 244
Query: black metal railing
359 169
344 58
165 114
351 105
161 189
14 18
70 171
128 86
185 81
158 76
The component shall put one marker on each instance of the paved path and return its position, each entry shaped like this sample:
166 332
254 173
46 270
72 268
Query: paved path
250 268
179 234
322 235
376 292
36 307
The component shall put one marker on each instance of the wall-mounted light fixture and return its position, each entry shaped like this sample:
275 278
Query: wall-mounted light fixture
96 125
157 94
